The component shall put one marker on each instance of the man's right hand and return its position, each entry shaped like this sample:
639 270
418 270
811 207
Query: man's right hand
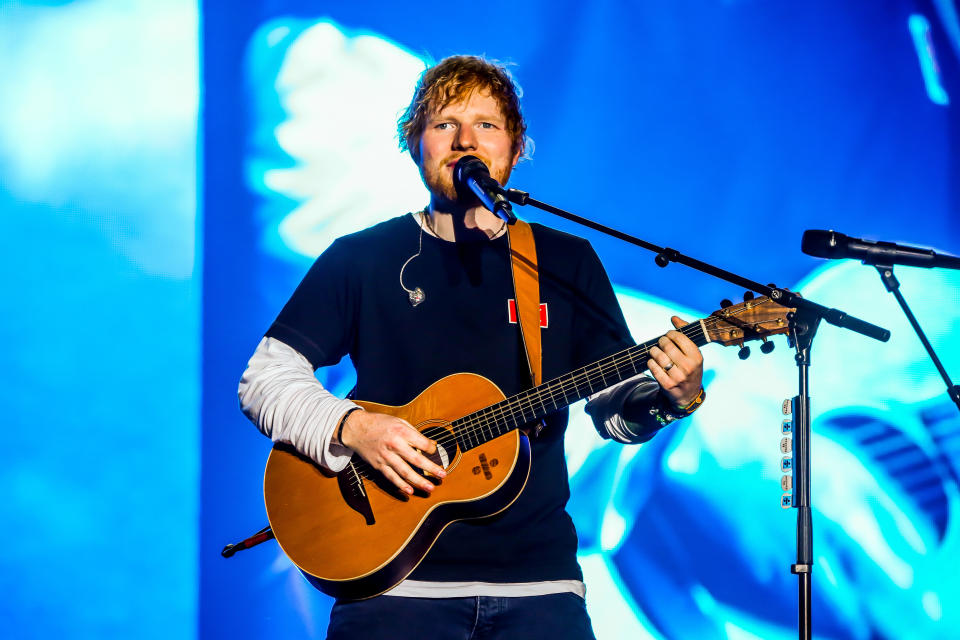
392 447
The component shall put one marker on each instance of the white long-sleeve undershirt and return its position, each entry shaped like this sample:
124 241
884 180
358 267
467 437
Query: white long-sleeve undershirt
280 394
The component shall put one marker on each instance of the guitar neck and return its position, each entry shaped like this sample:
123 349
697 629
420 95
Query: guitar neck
533 404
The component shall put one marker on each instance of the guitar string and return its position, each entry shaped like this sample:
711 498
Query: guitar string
527 400
480 421
485 420
470 425
619 364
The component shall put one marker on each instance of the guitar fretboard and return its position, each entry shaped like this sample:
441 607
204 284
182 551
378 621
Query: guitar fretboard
533 404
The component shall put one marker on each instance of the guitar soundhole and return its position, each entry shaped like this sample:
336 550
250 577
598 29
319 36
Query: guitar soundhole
446 446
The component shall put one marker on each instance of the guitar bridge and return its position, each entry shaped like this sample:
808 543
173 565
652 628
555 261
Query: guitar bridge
353 492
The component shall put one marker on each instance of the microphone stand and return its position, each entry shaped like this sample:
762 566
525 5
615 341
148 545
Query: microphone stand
803 327
893 286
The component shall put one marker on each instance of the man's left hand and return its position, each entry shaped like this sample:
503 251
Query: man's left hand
677 364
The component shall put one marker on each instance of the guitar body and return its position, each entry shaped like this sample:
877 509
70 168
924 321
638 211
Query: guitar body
355 537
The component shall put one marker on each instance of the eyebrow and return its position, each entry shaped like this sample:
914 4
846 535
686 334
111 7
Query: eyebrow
482 116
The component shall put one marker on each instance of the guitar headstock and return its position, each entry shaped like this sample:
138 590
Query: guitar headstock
752 319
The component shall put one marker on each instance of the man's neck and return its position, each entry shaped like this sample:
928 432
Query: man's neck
452 222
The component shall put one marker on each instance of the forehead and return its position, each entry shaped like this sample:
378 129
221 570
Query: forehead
477 102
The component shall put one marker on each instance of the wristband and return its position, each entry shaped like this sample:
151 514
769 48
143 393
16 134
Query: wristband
665 413
695 404
338 435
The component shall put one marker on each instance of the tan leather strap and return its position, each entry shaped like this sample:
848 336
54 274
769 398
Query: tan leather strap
526 284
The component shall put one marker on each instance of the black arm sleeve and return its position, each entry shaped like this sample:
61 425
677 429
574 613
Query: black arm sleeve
319 319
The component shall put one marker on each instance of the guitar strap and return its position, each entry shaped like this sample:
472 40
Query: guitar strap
526 286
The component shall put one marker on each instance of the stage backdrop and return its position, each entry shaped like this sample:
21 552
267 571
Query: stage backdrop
100 319
723 128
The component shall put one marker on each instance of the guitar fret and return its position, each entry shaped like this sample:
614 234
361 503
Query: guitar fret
542 406
488 416
533 413
470 440
463 436
496 420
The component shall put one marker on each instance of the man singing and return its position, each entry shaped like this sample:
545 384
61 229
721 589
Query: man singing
429 294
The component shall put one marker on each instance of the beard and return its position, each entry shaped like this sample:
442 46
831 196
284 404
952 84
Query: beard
439 180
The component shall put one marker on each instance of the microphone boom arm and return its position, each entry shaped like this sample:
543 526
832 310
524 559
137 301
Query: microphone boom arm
666 255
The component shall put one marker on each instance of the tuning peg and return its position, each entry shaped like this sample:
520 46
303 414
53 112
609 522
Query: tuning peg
767 347
725 303
747 296
744 353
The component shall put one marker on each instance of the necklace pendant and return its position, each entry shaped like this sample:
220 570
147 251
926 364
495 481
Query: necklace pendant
417 296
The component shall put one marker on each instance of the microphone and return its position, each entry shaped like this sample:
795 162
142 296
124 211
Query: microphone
470 174
833 245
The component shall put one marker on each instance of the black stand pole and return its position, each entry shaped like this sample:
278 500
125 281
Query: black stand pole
893 286
802 331
803 328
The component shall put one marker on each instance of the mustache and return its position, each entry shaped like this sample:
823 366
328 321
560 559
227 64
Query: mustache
456 158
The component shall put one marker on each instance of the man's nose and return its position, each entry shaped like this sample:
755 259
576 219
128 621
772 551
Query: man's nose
465 138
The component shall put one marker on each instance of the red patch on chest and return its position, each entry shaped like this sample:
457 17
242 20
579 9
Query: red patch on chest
512 313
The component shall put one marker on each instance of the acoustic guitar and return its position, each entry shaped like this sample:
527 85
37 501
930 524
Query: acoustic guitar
354 535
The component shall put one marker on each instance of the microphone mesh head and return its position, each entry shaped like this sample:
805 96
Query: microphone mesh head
468 167
820 244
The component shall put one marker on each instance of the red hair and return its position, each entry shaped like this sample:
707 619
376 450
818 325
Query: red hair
455 79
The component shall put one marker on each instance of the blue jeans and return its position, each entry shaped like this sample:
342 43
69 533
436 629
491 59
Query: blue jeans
559 616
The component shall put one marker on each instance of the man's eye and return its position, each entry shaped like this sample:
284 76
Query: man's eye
487 125
444 125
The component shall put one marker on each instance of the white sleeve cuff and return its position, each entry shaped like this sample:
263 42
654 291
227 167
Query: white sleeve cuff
280 394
